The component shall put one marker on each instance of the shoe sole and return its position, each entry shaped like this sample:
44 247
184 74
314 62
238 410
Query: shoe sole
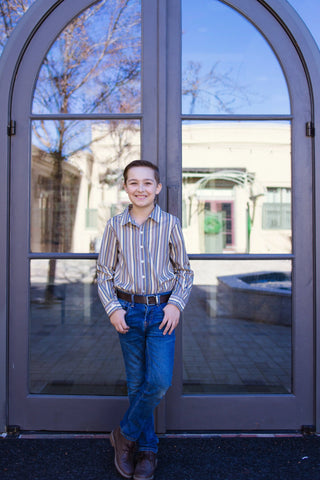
123 474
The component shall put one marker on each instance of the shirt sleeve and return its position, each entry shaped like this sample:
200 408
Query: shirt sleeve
184 274
106 265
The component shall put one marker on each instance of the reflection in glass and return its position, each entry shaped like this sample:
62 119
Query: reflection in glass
76 181
237 328
236 187
227 65
73 349
94 65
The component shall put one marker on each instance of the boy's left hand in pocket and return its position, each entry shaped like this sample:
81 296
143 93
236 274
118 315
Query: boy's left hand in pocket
170 319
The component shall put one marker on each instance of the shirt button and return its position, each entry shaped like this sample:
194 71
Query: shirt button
143 276
141 246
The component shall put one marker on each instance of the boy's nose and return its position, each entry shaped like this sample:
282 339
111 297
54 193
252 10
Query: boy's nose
140 187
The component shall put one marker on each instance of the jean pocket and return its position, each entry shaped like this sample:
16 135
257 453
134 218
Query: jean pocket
124 304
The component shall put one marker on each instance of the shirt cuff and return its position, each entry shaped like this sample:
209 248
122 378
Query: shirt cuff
112 307
177 301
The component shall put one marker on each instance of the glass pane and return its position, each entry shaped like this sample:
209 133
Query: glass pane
94 66
241 342
76 182
227 65
237 187
73 349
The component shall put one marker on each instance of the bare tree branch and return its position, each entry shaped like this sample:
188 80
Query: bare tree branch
216 89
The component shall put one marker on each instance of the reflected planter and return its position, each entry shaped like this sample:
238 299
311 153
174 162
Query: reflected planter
259 296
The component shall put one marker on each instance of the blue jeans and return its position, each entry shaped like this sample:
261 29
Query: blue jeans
148 357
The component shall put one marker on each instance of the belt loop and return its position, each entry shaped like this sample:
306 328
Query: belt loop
132 299
157 299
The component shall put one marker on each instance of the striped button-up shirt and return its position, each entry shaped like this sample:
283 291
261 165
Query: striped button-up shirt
143 259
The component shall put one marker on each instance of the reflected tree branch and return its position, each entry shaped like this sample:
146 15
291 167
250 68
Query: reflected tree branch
217 89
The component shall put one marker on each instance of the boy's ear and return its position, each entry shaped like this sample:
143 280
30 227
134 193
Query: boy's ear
159 188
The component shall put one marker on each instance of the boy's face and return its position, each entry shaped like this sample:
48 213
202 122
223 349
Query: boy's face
142 187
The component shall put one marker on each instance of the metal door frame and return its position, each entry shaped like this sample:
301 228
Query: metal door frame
257 412
54 412
30 31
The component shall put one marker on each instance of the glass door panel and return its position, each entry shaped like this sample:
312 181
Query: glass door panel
73 348
94 66
236 199
237 328
78 94
92 69
76 182
240 348
236 194
227 65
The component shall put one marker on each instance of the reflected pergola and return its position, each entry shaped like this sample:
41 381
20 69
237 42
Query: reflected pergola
230 178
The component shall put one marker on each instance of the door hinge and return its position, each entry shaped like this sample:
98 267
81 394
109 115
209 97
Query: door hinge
11 129
310 130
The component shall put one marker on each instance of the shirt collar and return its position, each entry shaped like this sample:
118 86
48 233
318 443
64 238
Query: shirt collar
154 215
126 218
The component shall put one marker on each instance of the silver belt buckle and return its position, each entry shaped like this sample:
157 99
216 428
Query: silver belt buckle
153 296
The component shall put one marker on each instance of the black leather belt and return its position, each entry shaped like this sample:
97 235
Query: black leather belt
146 299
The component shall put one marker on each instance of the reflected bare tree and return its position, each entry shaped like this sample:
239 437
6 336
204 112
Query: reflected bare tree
93 67
215 88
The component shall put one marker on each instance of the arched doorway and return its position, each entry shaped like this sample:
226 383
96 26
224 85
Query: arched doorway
67 371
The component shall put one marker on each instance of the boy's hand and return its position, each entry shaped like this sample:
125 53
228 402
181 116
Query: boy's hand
170 319
118 321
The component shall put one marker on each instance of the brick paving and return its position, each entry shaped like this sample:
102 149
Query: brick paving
74 349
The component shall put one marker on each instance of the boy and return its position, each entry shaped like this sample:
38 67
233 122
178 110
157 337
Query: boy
144 282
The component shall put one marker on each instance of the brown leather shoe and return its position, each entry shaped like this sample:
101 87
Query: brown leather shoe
146 465
123 453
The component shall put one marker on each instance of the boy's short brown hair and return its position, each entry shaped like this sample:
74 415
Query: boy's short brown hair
142 163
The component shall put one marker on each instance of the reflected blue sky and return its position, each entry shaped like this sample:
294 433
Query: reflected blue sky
247 77
309 11
229 41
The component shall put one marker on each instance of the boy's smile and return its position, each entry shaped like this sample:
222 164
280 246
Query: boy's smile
142 188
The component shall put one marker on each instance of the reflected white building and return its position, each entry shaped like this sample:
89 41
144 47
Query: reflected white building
236 192
237 187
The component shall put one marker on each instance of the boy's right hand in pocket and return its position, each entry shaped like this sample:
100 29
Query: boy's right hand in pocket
118 321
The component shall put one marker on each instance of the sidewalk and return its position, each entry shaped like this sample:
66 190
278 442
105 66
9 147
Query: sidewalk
220 457
75 350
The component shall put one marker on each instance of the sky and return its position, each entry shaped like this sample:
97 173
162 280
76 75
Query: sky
216 35
309 11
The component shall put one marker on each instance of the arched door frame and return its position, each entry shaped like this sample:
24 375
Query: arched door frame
309 55
56 15
9 65
298 409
